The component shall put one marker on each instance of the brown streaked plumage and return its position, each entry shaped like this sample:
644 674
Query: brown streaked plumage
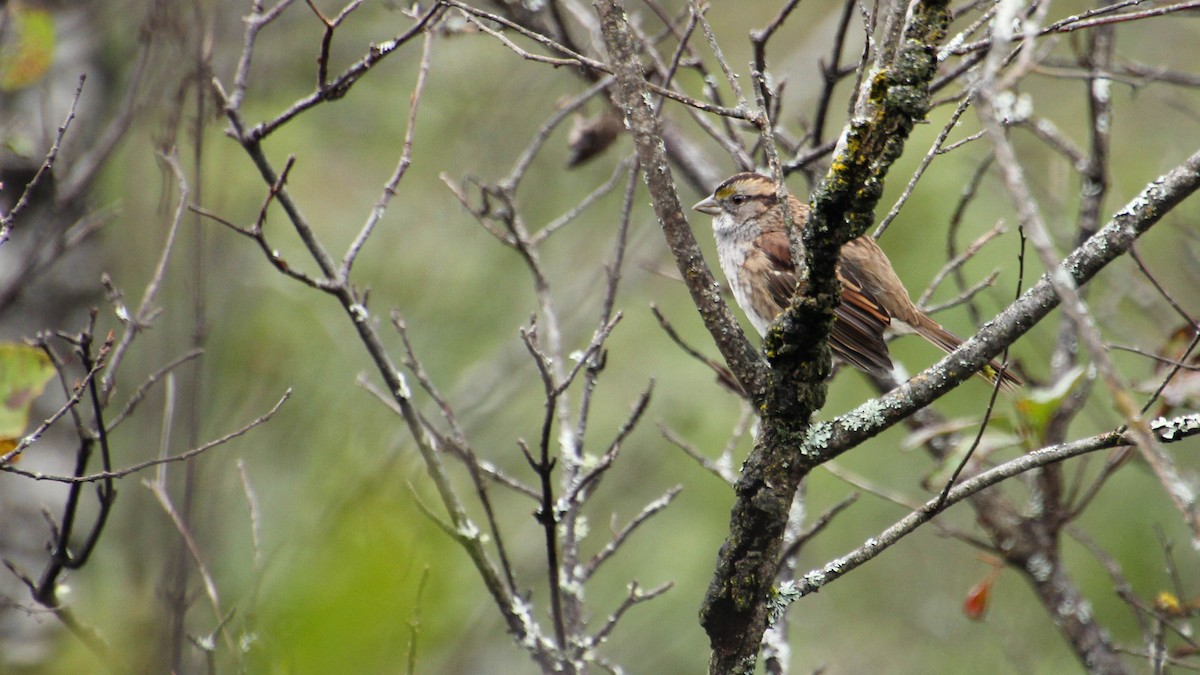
755 256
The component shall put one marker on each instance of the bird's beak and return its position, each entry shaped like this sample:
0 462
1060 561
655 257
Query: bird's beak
709 206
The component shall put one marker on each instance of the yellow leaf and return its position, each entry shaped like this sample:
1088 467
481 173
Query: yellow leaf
6 446
28 47
1167 603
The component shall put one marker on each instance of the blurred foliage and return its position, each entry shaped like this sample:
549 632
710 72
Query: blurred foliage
332 585
28 48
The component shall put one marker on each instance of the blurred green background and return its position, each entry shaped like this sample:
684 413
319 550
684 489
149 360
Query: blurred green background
344 547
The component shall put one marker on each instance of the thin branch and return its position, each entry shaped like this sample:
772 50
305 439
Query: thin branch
258 235
257 20
389 189
255 512
966 296
934 151
721 468
816 527
831 571
731 78
1133 253
414 624
449 444
1089 19
152 379
543 466
8 219
523 161
334 89
1157 357
75 395
572 58
146 310
724 376
159 461
210 586
966 458
619 538
459 444
327 39
967 196
955 264
636 596
585 481
831 72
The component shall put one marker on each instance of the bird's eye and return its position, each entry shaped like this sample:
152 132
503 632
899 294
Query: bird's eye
738 200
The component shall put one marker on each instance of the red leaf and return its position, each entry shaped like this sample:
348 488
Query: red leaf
976 604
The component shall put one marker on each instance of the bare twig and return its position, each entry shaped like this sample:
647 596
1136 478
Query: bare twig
460 445
934 151
721 468
389 189
543 466
334 89
816 527
816 579
636 596
959 260
159 461
441 442
572 58
257 20
966 296
414 624
158 487
619 538
8 219
832 72
724 376
146 310
62 554
1089 19
254 511
74 396
731 78
152 379
327 39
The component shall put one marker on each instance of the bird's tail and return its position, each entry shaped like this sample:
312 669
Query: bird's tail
948 342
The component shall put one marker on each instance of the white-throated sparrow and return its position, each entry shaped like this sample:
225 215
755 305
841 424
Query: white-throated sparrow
754 253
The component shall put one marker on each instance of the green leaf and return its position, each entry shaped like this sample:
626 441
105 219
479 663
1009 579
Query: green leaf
1037 409
24 372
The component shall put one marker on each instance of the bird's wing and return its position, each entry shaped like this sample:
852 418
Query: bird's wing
859 327
859 320
778 270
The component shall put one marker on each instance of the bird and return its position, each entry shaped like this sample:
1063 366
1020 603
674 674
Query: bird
755 255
